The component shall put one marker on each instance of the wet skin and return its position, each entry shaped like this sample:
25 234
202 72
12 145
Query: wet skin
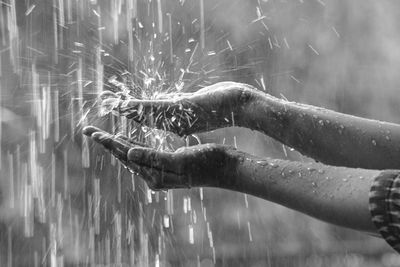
327 136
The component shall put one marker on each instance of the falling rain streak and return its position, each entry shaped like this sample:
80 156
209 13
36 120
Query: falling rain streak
69 202
81 210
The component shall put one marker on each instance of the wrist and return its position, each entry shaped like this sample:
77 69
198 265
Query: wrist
249 103
256 112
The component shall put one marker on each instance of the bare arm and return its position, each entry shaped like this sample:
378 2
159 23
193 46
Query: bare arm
325 135
336 195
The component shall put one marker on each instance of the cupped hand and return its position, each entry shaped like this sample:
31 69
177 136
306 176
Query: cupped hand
202 165
220 105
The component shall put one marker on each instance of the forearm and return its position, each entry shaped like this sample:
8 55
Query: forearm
333 194
325 135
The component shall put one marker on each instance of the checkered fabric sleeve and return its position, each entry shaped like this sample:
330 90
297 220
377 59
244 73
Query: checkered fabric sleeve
384 205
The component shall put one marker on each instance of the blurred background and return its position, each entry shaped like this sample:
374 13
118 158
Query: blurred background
65 202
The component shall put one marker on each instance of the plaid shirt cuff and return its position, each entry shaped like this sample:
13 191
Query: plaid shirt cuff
384 205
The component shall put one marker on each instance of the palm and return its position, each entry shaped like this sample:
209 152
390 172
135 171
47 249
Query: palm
202 165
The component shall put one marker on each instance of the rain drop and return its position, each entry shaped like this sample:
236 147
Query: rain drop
273 165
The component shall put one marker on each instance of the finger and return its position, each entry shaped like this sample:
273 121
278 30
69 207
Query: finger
160 160
171 96
130 140
160 169
89 130
136 109
117 146
158 179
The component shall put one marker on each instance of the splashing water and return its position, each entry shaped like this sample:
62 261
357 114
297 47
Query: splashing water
66 202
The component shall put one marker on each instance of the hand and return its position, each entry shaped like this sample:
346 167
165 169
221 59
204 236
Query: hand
220 105
202 165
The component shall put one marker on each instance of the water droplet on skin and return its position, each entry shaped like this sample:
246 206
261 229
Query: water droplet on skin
327 178
314 184
387 138
361 177
320 171
341 128
373 142
345 179
262 162
321 122
283 174
273 165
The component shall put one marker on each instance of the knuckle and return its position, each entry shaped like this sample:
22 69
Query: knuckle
245 96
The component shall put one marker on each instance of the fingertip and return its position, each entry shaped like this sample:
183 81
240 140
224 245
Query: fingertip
89 130
136 154
100 137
